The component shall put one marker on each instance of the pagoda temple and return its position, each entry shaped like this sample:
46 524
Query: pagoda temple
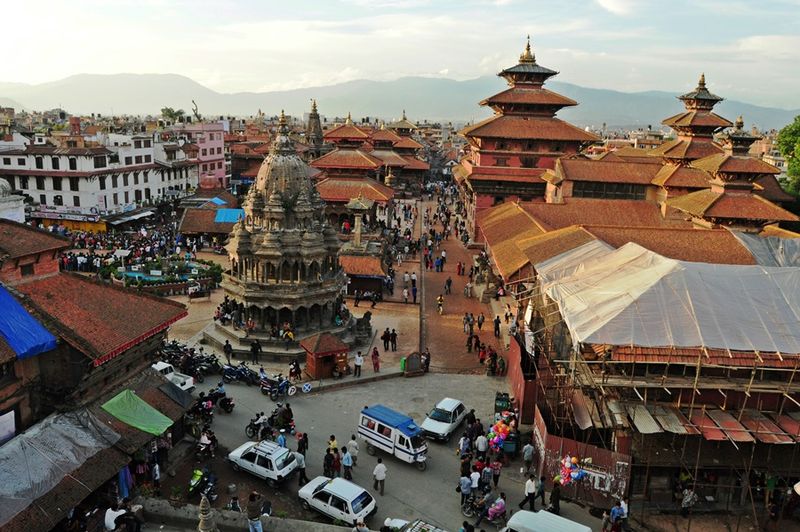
284 255
508 153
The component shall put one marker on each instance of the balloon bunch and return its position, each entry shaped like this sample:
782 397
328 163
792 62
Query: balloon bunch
570 470
498 434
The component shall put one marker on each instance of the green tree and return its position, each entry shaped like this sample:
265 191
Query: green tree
789 145
171 114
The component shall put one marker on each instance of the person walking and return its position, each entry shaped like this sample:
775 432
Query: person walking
376 360
255 349
393 340
356 297
555 498
228 350
327 463
332 443
527 456
302 444
254 512
337 462
465 488
352 449
385 337
496 466
414 295
357 363
379 474
301 468
347 463
481 319
497 326
530 494
481 446
448 285
405 295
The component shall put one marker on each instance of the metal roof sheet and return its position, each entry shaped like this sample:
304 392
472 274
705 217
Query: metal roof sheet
642 419
788 424
732 428
708 428
667 419
763 428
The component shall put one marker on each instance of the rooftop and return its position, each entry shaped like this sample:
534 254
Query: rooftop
20 240
536 128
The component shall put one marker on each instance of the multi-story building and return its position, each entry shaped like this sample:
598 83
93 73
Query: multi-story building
210 141
77 182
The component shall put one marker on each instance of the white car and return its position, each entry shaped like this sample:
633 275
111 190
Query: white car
184 382
338 499
524 521
444 419
401 525
265 459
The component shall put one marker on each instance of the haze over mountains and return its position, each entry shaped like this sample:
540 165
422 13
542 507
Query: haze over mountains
421 97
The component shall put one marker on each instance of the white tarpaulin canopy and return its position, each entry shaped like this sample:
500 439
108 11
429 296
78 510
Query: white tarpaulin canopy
632 296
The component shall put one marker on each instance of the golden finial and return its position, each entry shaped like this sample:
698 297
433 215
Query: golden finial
313 105
404 114
702 83
739 122
527 56
383 125
349 120
282 120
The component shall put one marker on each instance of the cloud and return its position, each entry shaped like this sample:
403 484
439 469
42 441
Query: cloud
618 7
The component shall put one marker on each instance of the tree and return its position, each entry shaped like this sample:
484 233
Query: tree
171 114
788 142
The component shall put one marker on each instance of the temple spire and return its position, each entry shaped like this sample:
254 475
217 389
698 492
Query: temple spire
313 105
404 115
527 56
349 120
702 83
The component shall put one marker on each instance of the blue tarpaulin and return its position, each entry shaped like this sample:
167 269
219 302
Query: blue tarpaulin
26 336
228 215
218 201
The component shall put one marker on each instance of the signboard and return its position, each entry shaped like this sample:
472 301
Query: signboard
59 212
194 271
155 273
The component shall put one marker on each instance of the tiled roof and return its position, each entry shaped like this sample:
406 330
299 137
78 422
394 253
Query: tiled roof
347 158
386 135
512 175
54 150
607 172
324 343
673 175
532 95
201 220
719 204
19 240
220 193
609 156
779 232
407 143
343 189
100 320
769 188
517 127
715 246
589 211
412 163
361 265
732 164
718 357
687 149
345 131
548 245
696 118
389 158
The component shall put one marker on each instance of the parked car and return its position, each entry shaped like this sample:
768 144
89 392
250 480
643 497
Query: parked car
265 459
444 419
338 499
184 382
417 525
524 521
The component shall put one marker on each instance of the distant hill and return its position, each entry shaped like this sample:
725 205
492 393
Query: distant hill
430 98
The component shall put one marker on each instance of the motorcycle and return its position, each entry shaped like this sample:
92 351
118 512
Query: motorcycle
239 373
255 430
222 400
280 387
203 409
203 482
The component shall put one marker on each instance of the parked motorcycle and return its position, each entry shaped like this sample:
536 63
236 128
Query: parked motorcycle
240 373
222 400
281 386
203 482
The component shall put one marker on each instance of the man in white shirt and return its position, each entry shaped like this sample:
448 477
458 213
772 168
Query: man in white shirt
475 478
111 516
530 494
352 448
379 474
624 517
481 446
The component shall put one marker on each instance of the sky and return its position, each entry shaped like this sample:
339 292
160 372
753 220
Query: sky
748 49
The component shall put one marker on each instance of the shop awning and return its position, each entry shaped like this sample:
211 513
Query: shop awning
763 428
134 411
130 217
21 331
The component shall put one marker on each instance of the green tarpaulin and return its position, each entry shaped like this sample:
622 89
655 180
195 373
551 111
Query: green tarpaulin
134 411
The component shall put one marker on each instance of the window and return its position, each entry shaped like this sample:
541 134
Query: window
54 161
58 200
205 167
73 184
129 160
501 161
249 457
21 161
100 161
76 201
116 198
528 162
590 189
147 143
26 269
102 180
147 193
145 175
138 159
137 144
386 431
338 504
7 161
402 442
264 462
23 182
147 158
138 195
323 497
114 181
501 145
204 152
136 178
7 371
39 183
219 151
73 163
42 199
39 163
127 197
124 180
56 183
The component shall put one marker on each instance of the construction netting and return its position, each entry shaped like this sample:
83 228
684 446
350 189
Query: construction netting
33 463
632 296
134 411
771 251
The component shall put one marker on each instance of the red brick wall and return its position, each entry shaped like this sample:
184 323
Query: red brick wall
524 391
11 271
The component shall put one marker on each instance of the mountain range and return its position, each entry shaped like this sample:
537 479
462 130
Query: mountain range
421 97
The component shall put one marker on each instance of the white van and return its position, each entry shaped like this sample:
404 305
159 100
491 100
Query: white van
524 521
393 432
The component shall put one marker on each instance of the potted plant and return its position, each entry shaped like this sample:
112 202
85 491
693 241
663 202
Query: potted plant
176 496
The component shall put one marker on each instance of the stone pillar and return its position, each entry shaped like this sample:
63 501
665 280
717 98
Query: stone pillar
207 522
357 231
